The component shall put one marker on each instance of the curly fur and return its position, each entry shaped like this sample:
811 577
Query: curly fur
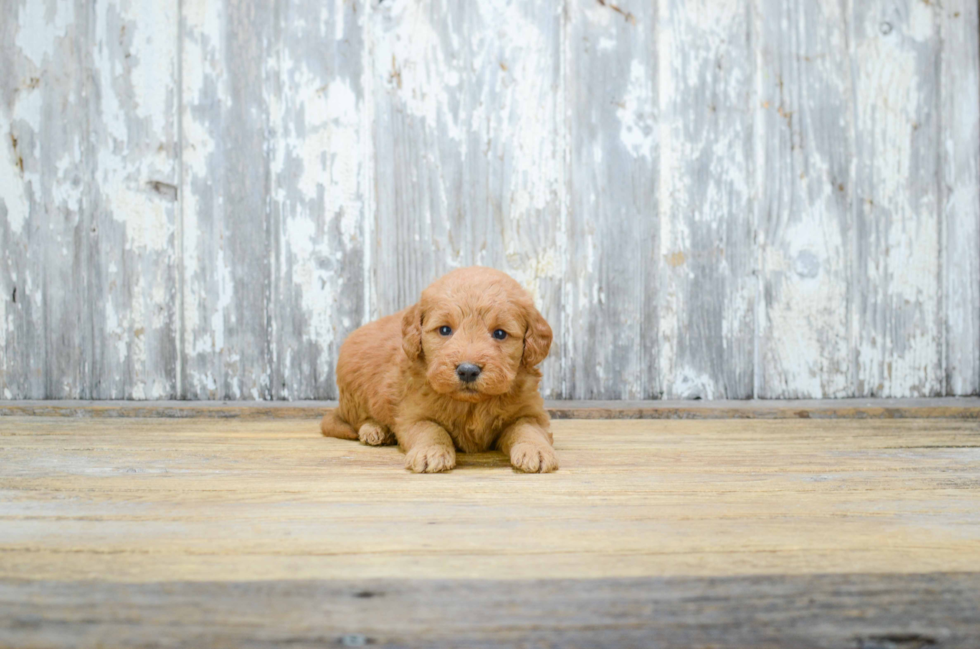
398 375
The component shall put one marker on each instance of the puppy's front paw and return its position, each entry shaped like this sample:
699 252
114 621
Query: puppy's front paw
375 435
430 459
533 458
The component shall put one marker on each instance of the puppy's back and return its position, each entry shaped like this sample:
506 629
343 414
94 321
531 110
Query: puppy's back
368 370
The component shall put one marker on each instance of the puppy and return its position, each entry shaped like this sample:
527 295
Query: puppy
456 371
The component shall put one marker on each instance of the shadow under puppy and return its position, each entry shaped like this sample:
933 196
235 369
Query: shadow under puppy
457 370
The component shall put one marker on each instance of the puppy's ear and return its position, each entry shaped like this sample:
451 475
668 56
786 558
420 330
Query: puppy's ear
537 338
412 332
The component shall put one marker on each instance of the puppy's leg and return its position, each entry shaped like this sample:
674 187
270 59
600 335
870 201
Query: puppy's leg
428 447
374 434
529 447
333 425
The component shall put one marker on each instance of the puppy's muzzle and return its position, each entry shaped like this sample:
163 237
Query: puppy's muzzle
468 372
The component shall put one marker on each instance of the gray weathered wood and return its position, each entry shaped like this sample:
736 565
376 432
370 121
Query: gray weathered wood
959 144
774 198
132 137
319 132
31 142
226 235
87 200
706 283
611 278
820 611
926 408
804 153
895 285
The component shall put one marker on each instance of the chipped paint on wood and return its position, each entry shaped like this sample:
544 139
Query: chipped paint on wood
706 306
895 286
707 199
226 251
88 116
610 293
959 145
804 153
318 193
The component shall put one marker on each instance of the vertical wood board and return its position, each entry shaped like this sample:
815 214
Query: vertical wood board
611 275
804 152
706 282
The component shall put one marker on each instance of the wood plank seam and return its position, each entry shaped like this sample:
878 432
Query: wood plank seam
935 408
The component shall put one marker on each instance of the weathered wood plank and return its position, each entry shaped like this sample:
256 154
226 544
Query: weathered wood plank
959 143
32 140
895 279
204 499
706 283
48 222
131 267
226 239
804 147
610 292
89 190
832 611
930 408
468 149
320 204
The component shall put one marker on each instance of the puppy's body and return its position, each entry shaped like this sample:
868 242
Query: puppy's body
399 376
374 375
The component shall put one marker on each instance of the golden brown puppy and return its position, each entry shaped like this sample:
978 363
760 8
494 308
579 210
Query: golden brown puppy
455 371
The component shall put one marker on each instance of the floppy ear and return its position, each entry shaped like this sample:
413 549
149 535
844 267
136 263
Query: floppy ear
412 332
537 338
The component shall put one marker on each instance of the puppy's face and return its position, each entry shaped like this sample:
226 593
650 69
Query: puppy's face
474 331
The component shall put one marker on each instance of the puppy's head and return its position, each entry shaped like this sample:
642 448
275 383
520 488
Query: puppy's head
475 330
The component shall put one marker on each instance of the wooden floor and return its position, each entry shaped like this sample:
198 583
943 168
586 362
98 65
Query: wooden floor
710 533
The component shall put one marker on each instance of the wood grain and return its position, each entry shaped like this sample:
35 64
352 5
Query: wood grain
226 235
804 149
130 500
133 150
39 202
896 286
610 295
319 192
942 408
724 533
820 611
87 201
706 279
960 185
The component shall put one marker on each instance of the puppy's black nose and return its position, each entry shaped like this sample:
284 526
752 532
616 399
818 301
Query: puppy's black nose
467 372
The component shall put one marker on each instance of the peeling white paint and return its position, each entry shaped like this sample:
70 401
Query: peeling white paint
12 184
155 54
410 61
4 328
202 17
903 359
688 383
42 25
316 284
637 122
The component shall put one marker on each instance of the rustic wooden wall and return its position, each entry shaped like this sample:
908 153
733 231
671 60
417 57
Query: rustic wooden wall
712 198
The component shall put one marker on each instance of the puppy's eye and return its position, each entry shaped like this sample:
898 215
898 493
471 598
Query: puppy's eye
445 330
499 334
